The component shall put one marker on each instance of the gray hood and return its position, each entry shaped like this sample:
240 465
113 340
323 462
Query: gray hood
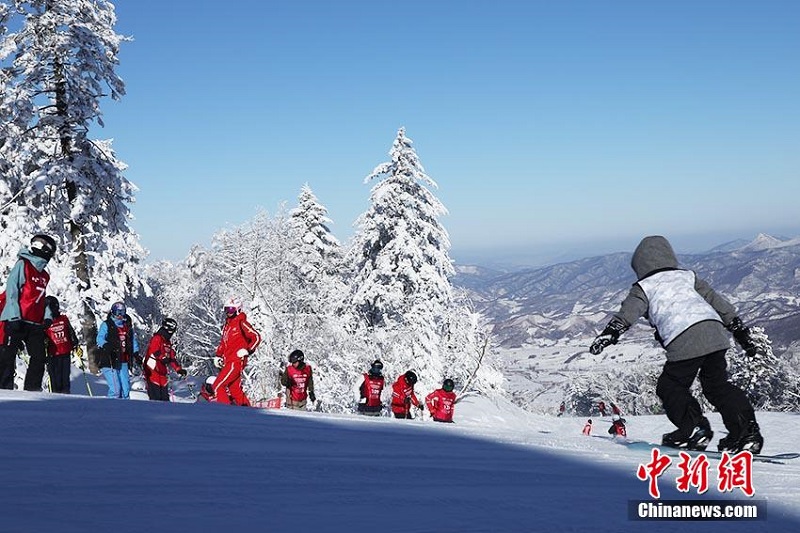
653 253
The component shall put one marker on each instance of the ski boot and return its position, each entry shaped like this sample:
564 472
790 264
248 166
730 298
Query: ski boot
749 439
698 440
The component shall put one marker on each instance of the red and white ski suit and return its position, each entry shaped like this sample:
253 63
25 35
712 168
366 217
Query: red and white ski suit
402 396
441 405
159 354
239 340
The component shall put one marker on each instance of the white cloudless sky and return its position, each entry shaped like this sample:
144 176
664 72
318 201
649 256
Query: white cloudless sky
549 126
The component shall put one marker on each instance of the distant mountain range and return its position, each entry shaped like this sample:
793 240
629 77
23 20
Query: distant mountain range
573 300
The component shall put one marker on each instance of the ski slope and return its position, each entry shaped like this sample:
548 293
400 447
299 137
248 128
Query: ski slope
90 465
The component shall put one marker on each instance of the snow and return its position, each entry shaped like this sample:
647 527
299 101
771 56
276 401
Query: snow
81 464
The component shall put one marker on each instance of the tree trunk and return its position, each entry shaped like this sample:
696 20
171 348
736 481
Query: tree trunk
80 264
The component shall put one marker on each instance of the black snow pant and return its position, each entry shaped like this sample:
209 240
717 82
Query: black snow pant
58 368
684 410
157 392
32 338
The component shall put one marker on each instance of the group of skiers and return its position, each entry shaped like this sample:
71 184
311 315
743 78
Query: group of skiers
617 429
689 317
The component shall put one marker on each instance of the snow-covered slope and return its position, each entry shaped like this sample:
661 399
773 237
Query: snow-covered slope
79 464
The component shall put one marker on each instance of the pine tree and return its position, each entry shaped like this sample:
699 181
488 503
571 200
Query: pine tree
56 70
316 254
401 254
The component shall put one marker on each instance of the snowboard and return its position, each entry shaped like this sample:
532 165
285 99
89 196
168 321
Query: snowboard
640 445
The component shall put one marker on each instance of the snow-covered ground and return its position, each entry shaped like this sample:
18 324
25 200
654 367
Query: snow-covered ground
73 463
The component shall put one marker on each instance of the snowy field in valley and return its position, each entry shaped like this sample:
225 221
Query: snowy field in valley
80 464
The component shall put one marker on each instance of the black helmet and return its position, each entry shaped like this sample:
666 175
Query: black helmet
376 368
170 325
43 246
448 385
296 356
52 303
411 377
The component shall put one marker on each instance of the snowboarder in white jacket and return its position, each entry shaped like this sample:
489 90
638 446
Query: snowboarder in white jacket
690 319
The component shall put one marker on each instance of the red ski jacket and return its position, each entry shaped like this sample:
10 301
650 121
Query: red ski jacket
239 338
402 394
441 405
60 337
160 353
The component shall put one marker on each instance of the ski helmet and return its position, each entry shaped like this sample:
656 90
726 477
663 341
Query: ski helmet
43 246
232 305
297 356
170 325
411 377
118 309
52 303
614 417
376 368
448 385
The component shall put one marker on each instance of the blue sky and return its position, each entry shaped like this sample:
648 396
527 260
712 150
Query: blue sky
551 127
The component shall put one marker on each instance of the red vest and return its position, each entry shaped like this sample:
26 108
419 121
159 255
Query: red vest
32 293
441 404
122 331
58 336
372 389
300 378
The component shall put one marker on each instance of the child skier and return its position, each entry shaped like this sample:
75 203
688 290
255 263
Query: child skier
239 341
371 389
690 321
601 406
617 428
403 395
61 340
442 402
160 356
587 428
117 347
298 380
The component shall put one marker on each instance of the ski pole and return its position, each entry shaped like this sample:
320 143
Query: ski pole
79 356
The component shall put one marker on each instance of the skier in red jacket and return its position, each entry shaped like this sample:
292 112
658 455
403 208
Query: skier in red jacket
239 341
617 428
403 396
160 356
298 380
371 389
441 402
61 340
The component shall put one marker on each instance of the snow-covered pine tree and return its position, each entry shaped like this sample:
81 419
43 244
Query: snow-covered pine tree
56 69
316 254
401 264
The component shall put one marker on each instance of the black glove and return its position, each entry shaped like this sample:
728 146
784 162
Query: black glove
741 334
47 322
421 407
311 396
14 326
608 336
137 358
182 373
